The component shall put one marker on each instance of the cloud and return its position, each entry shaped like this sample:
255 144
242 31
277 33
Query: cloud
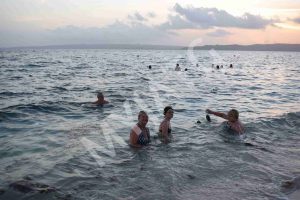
297 20
151 14
205 18
177 22
137 17
115 33
219 33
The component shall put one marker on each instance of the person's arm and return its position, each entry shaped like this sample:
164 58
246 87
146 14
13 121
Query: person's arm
134 139
148 134
219 114
164 131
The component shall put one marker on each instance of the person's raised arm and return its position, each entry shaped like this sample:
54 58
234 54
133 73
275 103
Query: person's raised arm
219 114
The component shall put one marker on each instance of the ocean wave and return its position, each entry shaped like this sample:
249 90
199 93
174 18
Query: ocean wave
49 107
33 66
57 88
8 115
288 121
83 88
14 94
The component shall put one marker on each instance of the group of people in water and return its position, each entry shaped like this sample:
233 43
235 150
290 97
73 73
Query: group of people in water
140 134
220 66
178 68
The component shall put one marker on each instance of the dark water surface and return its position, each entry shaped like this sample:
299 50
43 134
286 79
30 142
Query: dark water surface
50 133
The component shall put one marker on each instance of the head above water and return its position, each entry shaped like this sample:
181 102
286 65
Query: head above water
100 95
168 112
167 108
233 115
143 118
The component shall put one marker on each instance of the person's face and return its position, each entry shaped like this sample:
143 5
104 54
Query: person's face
143 119
231 117
100 97
169 114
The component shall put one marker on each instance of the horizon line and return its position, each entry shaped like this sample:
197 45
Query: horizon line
296 47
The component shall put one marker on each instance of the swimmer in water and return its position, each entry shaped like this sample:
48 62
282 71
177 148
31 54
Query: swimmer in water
100 100
233 119
140 134
165 126
177 68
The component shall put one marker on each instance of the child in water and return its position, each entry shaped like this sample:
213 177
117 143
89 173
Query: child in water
233 119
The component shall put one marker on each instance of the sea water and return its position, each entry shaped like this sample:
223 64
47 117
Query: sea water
51 133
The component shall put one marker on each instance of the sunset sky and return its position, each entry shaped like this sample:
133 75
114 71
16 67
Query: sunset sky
181 22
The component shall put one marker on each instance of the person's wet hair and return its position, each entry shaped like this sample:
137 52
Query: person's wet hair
142 113
235 113
167 108
100 94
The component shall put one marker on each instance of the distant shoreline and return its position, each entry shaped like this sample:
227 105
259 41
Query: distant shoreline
233 47
253 47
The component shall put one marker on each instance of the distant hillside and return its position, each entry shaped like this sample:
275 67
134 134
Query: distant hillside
254 47
101 46
235 47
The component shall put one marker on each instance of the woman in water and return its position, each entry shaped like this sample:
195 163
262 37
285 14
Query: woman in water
233 119
140 134
165 126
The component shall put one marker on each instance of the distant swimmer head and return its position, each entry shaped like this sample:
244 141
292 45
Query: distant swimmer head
218 67
149 66
168 112
230 66
100 95
185 69
208 118
233 115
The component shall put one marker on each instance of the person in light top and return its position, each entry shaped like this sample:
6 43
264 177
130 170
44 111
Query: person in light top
140 134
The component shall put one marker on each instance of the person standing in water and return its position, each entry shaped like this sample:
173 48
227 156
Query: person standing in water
233 119
177 68
140 134
165 126
100 100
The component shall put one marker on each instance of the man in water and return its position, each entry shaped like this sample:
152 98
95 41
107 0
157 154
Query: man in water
233 119
100 100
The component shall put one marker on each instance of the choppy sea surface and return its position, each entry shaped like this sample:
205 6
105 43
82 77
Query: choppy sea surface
51 134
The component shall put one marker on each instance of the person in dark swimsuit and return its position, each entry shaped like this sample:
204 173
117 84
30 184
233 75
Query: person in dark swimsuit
140 134
165 126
